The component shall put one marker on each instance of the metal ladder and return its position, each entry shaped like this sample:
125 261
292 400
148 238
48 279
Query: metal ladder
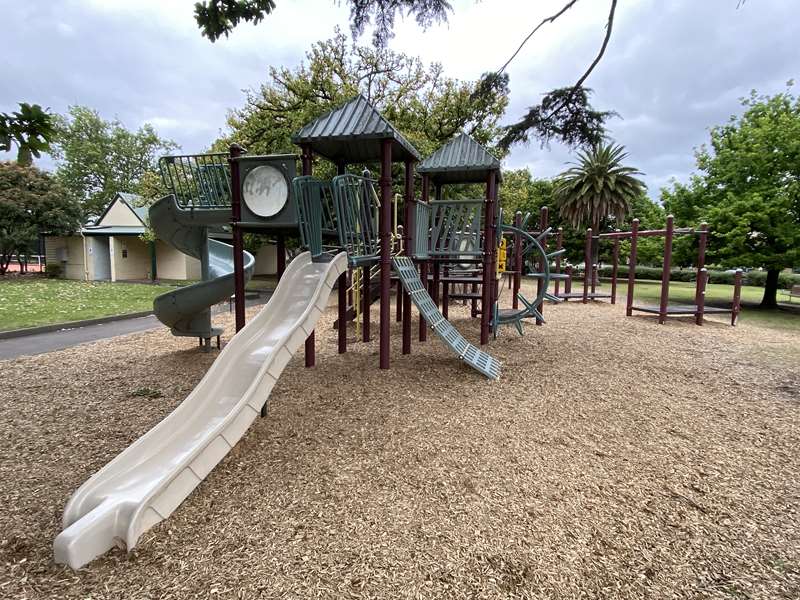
477 359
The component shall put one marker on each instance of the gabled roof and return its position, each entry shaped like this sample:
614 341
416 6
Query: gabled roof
461 160
113 230
143 213
352 133
128 200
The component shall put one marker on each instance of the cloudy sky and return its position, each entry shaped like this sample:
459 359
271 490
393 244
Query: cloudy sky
673 68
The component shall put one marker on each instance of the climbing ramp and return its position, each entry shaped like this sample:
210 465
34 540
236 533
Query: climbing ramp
477 359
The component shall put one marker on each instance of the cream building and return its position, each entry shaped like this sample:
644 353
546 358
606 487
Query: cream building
111 249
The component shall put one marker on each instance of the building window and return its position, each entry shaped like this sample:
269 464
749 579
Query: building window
124 253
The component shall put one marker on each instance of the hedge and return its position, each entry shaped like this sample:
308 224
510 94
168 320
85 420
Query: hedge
755 278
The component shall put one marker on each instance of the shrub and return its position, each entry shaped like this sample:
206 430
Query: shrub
754 278
53 270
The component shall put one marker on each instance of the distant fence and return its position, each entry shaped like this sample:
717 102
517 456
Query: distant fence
35 264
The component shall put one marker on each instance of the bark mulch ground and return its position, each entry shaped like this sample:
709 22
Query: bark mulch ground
614 458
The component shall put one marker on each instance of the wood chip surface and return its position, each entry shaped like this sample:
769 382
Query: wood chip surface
615 458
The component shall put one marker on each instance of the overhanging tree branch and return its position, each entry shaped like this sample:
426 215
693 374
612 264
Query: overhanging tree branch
564 114
549 19
595 62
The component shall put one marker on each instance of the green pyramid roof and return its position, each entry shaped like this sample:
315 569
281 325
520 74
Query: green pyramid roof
353 133
461 160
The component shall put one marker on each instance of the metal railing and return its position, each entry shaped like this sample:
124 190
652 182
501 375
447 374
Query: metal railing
198 180
316 211
357 207
456 227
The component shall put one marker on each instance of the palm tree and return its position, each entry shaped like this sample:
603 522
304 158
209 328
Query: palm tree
597 187
31 128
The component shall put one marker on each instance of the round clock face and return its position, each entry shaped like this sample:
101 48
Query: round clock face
265 191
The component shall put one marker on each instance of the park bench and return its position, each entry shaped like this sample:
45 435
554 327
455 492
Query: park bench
793 293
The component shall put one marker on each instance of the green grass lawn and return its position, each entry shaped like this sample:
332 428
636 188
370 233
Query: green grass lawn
649 292
32 301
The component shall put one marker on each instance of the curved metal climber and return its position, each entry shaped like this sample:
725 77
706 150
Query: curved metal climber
535 253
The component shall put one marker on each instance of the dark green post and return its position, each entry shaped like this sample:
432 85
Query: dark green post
153 261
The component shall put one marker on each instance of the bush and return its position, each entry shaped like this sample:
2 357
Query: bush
53 270
754 278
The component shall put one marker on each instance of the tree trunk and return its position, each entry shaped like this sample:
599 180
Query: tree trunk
595 244
770 299
24 156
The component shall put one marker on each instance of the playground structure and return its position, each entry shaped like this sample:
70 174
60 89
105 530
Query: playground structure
664 309
345 226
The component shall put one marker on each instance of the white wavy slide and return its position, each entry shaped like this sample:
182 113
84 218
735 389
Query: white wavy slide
149 480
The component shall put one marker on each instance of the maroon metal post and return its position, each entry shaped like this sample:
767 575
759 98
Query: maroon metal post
408 241
474 302
494 278
701 257
437 269
614 271
386 260
280 255
568 281
594 279
488 259
737 297
366 302
517 261
662 309
544 220
238 244
423 271
587 265
632 267
559 246
446 294
700 295
310 350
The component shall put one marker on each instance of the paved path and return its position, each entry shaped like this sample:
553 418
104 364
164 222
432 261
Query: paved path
65 338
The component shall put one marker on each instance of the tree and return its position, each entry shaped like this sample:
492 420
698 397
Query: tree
748 188
150 188
521 192
31 128
425 105
598 187
98 158
563 114
31 203
598 190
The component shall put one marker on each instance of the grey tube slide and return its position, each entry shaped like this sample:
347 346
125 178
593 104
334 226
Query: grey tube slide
186 311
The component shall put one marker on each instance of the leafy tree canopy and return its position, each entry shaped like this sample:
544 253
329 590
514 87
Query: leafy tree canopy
748 188
425 105
31 202
98 158
31 128
564 114
219 17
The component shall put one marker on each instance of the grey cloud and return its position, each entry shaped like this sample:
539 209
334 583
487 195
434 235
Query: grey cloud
673 69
